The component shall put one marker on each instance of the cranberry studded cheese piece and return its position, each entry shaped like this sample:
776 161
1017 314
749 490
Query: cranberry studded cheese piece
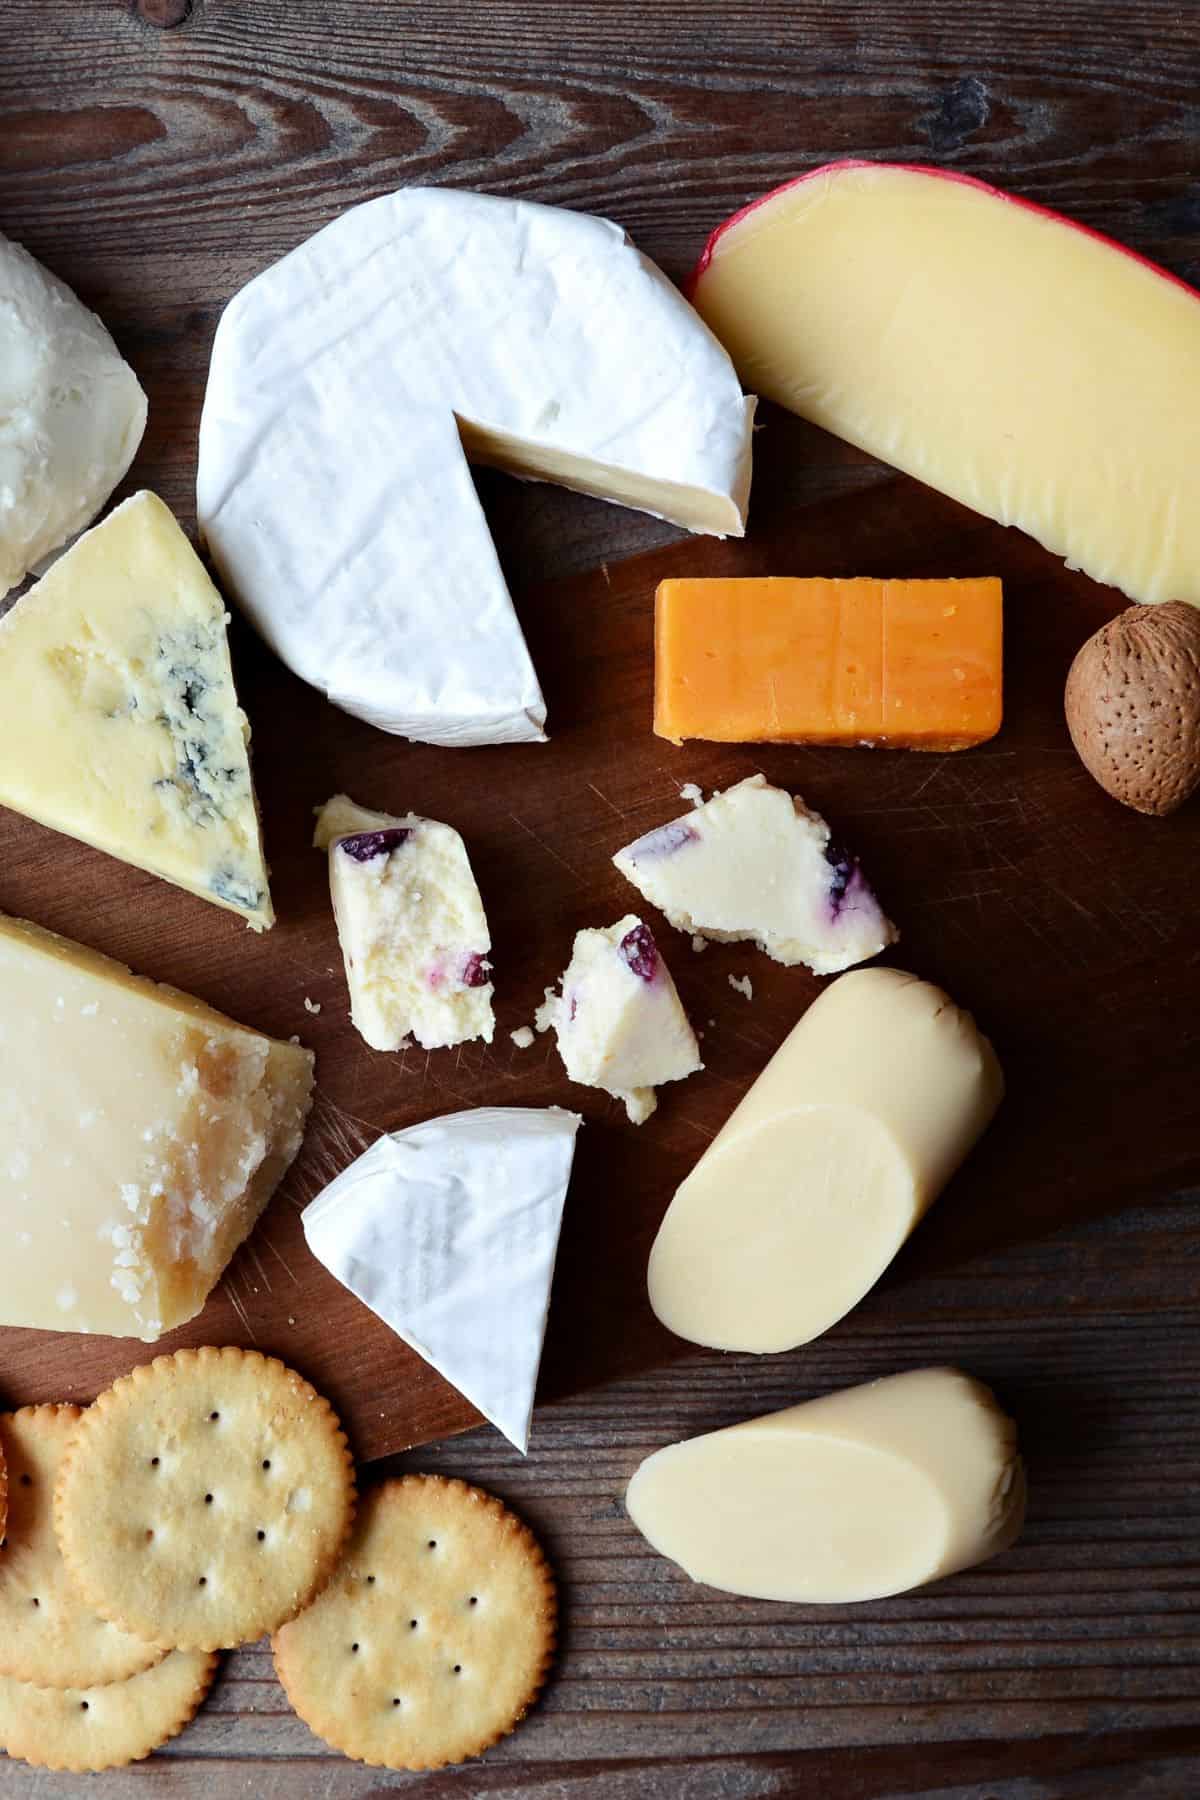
911 664
619 1020
1021 364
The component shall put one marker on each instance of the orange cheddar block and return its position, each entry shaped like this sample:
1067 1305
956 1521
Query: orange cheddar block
911 664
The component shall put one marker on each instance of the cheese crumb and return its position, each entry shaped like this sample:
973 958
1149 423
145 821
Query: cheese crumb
699 943
311 1006
522 1037
743 984
689 791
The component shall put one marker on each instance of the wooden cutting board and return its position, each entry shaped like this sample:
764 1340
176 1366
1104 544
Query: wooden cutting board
1065 922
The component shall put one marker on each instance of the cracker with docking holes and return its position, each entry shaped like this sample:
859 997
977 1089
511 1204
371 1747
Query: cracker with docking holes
87 1728
434 1637
205 1498
48 1634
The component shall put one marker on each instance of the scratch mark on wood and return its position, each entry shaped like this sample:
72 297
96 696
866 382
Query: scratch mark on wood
240 1310
548 848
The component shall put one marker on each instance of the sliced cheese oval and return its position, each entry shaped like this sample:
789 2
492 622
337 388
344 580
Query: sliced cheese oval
1021 363
819 1175
351 381
854 1496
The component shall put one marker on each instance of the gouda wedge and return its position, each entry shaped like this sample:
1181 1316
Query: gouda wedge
817 1178
854 1496
1022 364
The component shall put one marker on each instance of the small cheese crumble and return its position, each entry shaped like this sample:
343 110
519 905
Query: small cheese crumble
699 943
311 1006
743 984
522 1037
689 791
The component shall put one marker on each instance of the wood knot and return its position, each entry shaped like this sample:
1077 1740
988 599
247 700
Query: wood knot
164 15
961 110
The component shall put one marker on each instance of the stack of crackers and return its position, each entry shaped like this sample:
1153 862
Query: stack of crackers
208 1498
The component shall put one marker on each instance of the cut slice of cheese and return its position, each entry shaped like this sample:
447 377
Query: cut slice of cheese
857 1495
141 1135
1022 364
619 1021
911 664
753 862
448 1231
411 924
351 381
119 723
71 414
815 1181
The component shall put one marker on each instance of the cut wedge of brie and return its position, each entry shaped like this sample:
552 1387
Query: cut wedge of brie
351 382
448 1231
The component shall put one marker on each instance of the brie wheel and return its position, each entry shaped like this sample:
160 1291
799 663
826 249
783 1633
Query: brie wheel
351 382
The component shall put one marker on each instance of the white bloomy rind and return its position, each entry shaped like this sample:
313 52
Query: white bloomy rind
350 383
448 1232
72 414
1020 363
753 863
619 1021
412 927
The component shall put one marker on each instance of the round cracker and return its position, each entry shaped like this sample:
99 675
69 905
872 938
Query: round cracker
434 1637
205 1498
87 1728
48 1634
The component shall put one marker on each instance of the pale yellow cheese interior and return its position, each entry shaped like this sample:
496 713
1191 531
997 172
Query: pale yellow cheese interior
141 1135
119 722
817 1178
851 1497
1031 371
696 508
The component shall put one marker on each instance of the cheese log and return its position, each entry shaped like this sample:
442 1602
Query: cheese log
619 1021
753 862
911 664
1022 364
350 383
819 1175
141 1135
411 924
119 722
448 1231
857 1495
71 414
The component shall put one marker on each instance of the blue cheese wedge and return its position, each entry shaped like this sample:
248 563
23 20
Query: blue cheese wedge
119 723
754 863
71 414
412 928
619 1020
141 1135
448 1232
350 384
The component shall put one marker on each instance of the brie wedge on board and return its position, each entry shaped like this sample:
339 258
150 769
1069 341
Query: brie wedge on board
448 1231
351 382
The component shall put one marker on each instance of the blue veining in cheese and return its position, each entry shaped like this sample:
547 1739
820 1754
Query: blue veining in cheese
119 721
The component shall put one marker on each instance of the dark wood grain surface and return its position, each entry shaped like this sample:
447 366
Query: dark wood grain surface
156 165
